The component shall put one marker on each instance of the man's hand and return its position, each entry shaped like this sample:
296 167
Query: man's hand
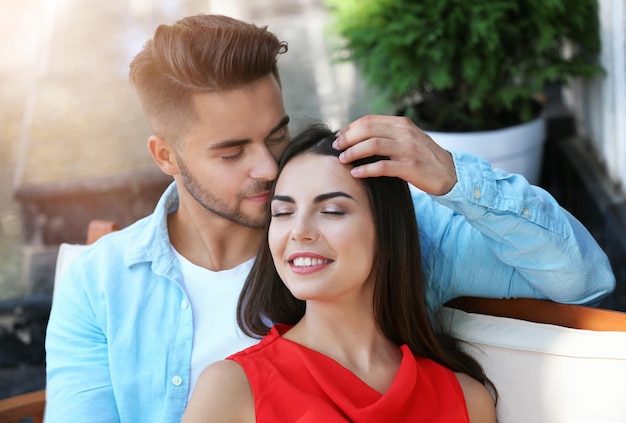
413 155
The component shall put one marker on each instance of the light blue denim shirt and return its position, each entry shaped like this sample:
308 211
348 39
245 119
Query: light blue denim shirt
519 242
120 332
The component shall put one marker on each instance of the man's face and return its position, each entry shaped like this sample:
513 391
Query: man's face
228 159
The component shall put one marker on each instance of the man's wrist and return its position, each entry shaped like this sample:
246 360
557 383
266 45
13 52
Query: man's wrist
448 183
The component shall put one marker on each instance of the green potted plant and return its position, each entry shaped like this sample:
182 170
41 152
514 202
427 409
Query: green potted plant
458 66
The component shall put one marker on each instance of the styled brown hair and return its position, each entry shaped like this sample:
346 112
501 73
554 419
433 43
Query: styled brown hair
199 54
399 301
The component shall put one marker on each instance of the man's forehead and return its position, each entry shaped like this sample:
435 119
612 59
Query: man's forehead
251 112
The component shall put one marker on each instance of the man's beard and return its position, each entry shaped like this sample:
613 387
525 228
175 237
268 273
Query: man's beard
216 206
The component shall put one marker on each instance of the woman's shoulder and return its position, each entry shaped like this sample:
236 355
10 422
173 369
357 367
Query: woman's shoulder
226 372
222 391
480 403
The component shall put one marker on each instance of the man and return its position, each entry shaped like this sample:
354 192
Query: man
142 312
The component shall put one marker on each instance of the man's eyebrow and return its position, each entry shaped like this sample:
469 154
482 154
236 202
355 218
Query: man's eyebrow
318 199
236 143
283 122
228 143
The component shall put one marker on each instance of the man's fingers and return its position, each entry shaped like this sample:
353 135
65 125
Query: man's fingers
370 147
371 126
378 168
413 155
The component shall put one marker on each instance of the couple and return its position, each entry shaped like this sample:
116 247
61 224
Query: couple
139 315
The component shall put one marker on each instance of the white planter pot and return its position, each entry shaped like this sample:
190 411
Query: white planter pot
517 149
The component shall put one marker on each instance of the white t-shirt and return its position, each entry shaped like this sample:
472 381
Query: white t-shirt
213 297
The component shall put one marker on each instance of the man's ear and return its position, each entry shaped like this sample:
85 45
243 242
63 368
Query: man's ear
163 154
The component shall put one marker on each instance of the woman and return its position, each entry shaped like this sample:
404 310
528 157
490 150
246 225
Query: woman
354 342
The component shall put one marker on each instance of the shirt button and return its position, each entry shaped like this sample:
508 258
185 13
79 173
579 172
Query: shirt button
526 212
177 380
184 304
477 193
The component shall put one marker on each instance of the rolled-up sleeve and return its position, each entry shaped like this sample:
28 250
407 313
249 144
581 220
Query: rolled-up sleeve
495 235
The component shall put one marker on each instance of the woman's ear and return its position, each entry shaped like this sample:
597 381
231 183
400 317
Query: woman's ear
163 154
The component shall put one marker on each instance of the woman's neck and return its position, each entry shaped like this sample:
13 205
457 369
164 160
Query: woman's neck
353 340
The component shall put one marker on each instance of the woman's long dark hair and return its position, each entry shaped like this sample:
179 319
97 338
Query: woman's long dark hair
399 300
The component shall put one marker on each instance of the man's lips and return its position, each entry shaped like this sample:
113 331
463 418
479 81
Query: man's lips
263 197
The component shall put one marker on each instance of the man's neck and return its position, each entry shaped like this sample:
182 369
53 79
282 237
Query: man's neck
211 241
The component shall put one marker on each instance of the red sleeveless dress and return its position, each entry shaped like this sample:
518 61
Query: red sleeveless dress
292 383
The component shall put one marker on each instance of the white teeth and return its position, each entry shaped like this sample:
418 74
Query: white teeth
308 261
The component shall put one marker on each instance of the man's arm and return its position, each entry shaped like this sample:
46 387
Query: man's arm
487 233
494 235
78 385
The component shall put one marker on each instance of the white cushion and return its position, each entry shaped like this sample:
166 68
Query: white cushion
547 373
67 254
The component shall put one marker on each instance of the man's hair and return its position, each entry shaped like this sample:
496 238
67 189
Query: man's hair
199 54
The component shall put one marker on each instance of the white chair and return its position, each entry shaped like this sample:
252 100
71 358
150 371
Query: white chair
68 252
549 362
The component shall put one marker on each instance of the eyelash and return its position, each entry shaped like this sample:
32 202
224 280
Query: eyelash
281 214
329 212
273 141
233 157
334 212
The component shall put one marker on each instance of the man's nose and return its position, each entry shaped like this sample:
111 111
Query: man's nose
264 166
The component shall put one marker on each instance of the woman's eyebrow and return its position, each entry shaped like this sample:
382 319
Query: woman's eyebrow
284 198
329 195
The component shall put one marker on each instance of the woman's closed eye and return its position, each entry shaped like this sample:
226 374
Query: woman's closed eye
333 212
278 213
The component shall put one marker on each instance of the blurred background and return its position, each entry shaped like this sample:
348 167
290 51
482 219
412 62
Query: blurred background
73 138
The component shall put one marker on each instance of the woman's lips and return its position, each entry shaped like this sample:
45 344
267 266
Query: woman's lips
308 263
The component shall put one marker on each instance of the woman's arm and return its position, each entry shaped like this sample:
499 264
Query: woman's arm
222 394
480 404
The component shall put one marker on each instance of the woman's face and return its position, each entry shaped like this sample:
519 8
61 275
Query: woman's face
322 234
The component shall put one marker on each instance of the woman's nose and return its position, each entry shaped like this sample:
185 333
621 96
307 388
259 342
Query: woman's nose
303 230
